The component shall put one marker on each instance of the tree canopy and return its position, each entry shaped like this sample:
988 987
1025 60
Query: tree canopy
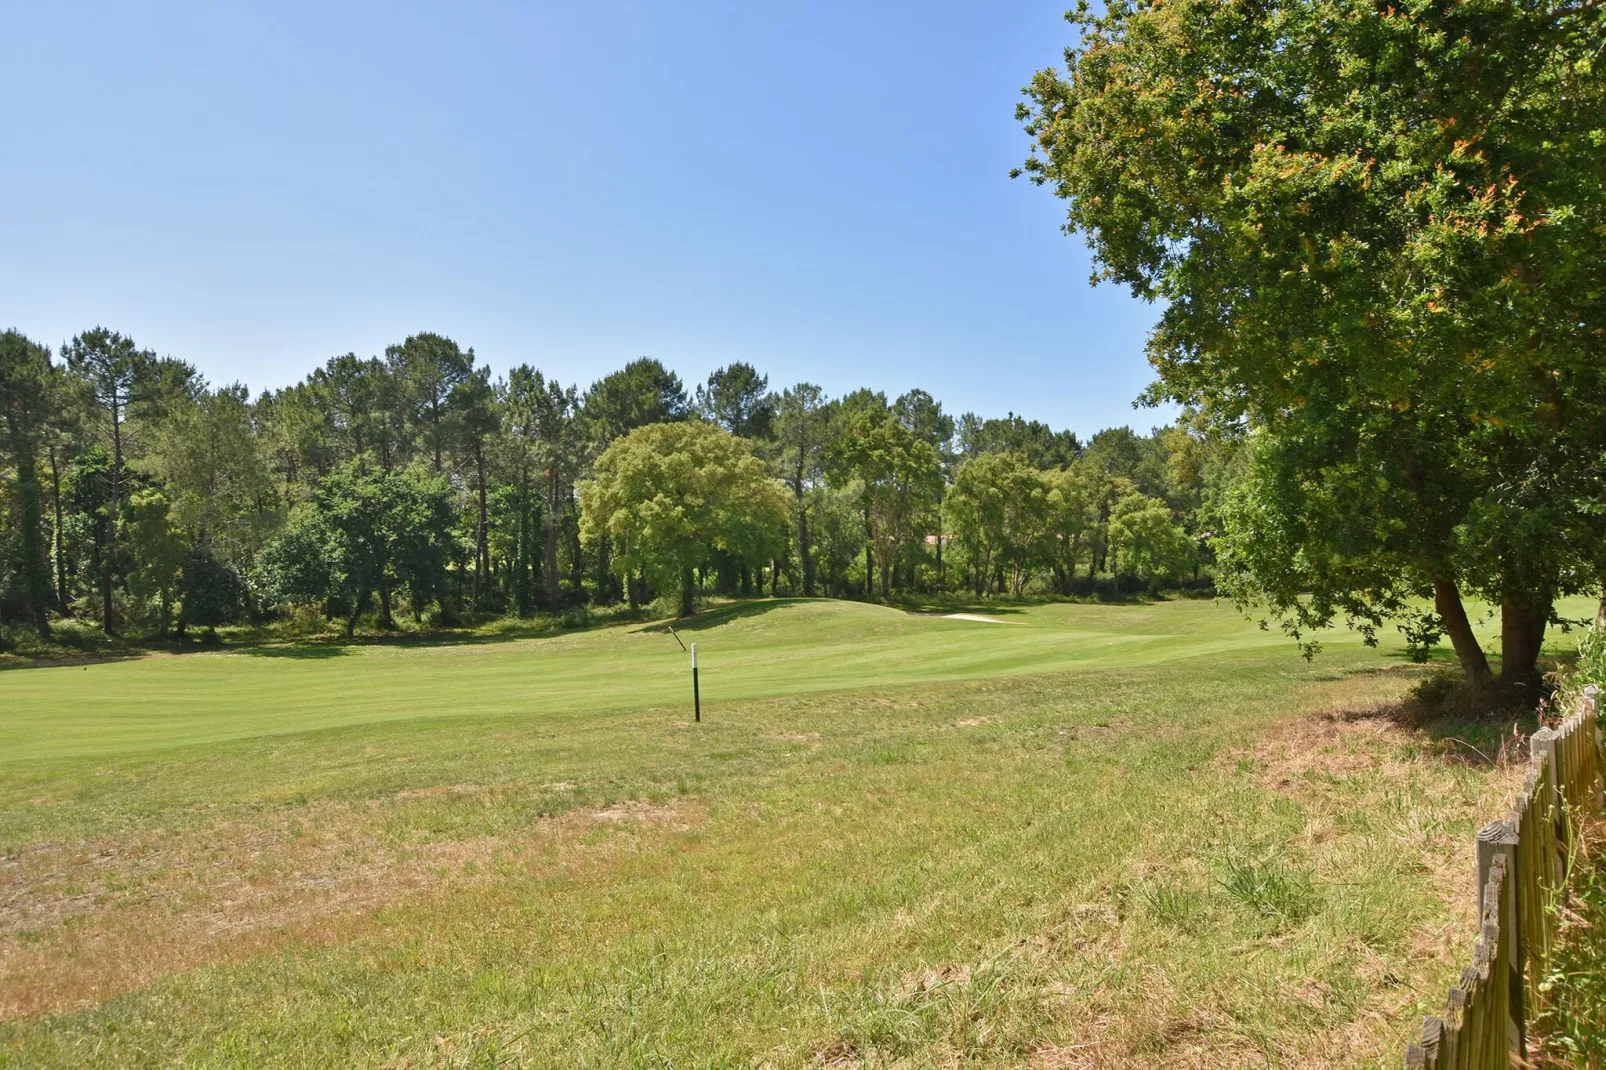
417 488
671 495
1375 232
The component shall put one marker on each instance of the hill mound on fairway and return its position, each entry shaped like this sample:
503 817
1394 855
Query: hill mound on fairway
749 650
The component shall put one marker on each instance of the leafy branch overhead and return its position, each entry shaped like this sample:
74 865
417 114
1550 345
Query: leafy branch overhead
1374 233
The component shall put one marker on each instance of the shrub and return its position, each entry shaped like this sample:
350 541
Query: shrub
211 590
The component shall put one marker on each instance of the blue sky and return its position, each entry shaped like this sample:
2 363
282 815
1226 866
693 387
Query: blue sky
820 189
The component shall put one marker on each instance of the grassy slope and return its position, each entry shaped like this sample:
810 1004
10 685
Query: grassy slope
894 838
751 650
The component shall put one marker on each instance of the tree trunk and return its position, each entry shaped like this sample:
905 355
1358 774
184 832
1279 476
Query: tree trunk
1447 601
521 559
63 595
549 563
106 623
385 620
1600 610
806 556
607 595
482 552
35 570
1522 634
688 592
869 556
577 560
117 454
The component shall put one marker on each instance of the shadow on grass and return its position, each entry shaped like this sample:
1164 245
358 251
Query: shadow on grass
321 650
1497 736
313 647
940 605
70 659
980 609
728 613
322 647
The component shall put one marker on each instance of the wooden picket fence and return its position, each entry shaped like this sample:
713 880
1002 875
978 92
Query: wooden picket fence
1523 868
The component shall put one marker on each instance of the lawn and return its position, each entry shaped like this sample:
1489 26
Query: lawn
1090 836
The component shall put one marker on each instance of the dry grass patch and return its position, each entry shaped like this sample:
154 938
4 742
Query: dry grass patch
81 923
1371 787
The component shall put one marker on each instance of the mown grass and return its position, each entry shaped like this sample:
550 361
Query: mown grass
1104 836
750 650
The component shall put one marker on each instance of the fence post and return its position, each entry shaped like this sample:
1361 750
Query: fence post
1591 711
1499 840
1542 749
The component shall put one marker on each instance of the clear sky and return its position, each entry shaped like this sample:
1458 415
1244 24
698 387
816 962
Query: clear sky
818 188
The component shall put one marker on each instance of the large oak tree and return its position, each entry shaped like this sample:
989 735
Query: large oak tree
671 496
1375 231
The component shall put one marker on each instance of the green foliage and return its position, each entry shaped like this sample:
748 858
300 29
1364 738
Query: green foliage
801 426
547 451
737 398
643 392
427 369
385 530
136 457
1375 233
293 567
207 456
157 552
210 590
896 472
1012 520
999 511
1040 444
27 381
1571 1027
672 495
1589 670
1071 504
1146 539
838 528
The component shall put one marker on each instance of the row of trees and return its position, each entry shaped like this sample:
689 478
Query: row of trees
140 496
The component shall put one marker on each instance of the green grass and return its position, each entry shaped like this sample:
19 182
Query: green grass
1572 1025
749 650
1123 835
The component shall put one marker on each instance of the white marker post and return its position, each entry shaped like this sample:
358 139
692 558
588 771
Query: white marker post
696 701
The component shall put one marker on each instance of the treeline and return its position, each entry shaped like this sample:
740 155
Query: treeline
142 498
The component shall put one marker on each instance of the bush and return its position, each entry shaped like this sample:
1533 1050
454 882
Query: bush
293 568
1588 670
211 591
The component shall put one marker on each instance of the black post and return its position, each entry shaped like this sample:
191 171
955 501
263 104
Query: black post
696 700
